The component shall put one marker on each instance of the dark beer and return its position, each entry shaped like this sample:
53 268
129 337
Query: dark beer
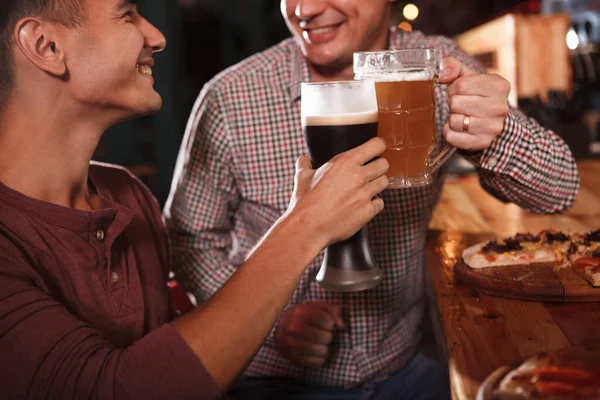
407 123
329 136
337 117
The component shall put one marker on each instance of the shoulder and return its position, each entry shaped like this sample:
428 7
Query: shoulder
271 64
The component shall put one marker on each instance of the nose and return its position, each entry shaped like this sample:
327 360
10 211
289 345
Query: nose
154 38
307 9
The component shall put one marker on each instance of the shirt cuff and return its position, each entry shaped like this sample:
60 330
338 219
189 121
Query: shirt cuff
163 366
497 157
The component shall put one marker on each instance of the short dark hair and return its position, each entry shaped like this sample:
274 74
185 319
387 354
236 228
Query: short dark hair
70 13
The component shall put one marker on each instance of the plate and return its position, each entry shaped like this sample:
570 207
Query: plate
487 388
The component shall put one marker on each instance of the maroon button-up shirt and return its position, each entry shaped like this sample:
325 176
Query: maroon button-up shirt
84 302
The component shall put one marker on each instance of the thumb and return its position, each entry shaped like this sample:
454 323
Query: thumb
335 310
451 69
303 171
303 163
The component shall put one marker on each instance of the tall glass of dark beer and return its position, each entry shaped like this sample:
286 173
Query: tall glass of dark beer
405 82
336 117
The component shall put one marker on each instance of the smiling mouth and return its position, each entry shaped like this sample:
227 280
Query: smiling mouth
144 69
320 31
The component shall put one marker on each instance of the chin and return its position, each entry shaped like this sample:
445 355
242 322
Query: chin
329 60
148 105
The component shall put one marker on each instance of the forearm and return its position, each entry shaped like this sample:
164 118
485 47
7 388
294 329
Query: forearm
229 329
529 166
74 361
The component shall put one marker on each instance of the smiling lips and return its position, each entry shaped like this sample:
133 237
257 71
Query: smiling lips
320 35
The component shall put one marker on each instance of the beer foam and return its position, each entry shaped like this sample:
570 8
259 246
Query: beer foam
369 117
392 76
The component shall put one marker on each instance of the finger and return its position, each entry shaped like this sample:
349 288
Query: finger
378 205
482 107
467 141
368 213
334 310
310 334
377 186
303 348
485 85
472 85
476 125
317 318
367 151
376 169
452 69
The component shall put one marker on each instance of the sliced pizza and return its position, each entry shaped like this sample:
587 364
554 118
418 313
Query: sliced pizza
577 250
588 265
523 248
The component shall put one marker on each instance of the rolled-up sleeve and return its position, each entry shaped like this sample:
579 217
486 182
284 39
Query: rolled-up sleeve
48 353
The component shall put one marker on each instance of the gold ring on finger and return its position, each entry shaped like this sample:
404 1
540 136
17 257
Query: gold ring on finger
466 123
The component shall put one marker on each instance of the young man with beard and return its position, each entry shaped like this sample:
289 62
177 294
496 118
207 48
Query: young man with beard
244 130
84 306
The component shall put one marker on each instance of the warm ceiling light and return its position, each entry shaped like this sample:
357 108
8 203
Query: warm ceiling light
405 26
572 39
410 12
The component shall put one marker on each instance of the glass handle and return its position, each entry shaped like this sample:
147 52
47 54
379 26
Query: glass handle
441 158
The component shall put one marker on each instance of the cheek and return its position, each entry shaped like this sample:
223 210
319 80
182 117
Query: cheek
288 7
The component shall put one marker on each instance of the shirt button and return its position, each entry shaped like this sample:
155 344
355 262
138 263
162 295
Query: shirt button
493 162
115 277
100 235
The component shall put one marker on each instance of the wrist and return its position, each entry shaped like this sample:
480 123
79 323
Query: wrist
306 231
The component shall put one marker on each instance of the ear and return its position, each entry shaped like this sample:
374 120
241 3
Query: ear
37 40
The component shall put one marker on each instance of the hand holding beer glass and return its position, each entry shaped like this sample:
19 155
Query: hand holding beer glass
337 117
405 84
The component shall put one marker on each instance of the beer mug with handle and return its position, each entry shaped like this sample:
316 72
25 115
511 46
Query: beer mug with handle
336 117
405 82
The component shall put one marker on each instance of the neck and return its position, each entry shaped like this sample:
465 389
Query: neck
344 70
46 148
330 74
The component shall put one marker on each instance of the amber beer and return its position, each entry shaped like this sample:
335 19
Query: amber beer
405 83
407 122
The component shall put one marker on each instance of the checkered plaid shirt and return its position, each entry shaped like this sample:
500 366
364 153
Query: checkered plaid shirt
235 178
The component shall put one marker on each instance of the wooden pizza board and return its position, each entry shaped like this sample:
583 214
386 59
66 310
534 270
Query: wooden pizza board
536 282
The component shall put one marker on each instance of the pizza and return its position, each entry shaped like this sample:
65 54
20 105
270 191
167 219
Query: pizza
580 251
572 373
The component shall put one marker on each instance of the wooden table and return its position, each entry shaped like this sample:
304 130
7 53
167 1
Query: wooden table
480 333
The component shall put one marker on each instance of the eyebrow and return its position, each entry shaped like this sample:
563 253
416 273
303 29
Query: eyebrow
127 3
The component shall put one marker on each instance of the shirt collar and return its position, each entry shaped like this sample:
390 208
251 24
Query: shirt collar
299 71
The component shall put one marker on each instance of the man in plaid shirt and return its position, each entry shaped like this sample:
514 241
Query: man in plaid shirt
235 178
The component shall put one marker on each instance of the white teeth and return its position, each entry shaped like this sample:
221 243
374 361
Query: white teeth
144 69
323 30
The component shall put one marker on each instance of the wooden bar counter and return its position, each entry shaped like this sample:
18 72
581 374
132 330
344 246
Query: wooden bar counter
480 333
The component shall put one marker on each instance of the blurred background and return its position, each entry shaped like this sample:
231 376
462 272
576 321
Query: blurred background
547 49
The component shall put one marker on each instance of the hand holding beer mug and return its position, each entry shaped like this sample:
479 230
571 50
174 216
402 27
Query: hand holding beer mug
405 84
336 117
